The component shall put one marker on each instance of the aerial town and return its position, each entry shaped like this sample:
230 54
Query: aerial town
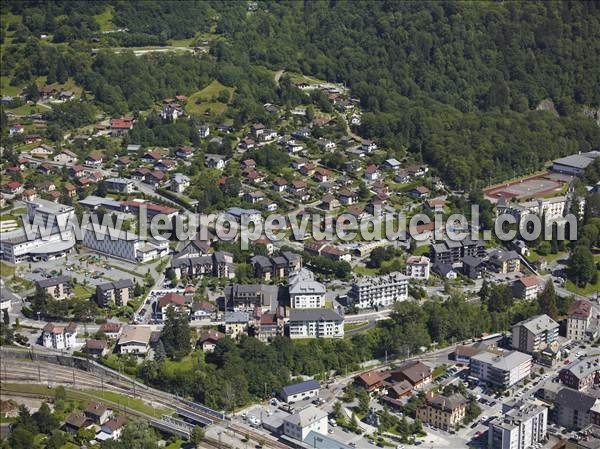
123 122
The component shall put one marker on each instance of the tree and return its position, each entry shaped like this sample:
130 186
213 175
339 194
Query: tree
46 422
581 267
159 354
176 334
364 401
197 436
547 301
21 438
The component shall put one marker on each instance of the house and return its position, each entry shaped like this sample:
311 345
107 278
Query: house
202 310
368 146
12 187
254 197
204 131
371 173
111 329
184 152
257 129
329 202
112 429
415 372
114 293
322 174
248 164
59 337
527 287
119 185
416 171
247 143
535 334
249 297
402 177
76 421
154 178
165 165
301 133
279 267
443 412
171 300
347 197
417 267
392 164
208 341
57 287
299 424
419 193
267 135
43 151
133 148
297 186
29 195
280 185
370 381
139 174
15 129
179 182
97 413
300 391
269 326
326 144
76 171
94 160
122 162
308 169
135 340
236 323
95 348
120 126
336 254
151 157
215 161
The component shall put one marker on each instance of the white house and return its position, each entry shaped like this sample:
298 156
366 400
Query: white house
315 323
204 131
305 292
299 424
300 391
417 267
59 337
179 182
379 291
135 340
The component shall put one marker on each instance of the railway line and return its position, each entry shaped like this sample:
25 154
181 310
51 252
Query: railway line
20 371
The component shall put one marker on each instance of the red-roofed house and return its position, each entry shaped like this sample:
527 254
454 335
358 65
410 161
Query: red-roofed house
370 381
120 126
171 299
527 287
12 187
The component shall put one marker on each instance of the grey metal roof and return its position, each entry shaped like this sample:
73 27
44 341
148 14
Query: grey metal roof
51 282
237 317
314 315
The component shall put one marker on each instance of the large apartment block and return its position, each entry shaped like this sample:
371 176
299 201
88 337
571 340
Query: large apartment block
305 292
58 287
522 426
535 334
503 370
453 251
315 323
116 292
379 291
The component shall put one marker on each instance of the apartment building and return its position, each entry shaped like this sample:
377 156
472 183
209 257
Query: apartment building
417 267
219 264
582 322
581 375
236 323
550 208
504 262
116 292
453 251
276 267
315 323
575 409
379 291
535 334
305 292
247 297
57 288
443 412
124 245
503 370
300 424
59 337
119 185
527 288
522 426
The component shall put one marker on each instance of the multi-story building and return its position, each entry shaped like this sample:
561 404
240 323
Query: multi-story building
58 287
219 264
315 323
174 300
581 375
588 438
379 291
415 372
527 287
575 409
443 412
417 267
276 267
550 208
535 334
135 340
48 234
503 370
59 337
115 292
521 427
236 323
248 297
300 391
453 251
582 322
305 292
505 261
299 424
269 326
119 185
123 244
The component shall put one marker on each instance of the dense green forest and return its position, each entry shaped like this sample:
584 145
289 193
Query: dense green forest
457 83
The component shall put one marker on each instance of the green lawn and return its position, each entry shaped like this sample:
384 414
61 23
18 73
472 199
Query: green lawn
6 88
207 98
438 371
185 365
105 19
534 256
81 291
365 271
588 290
26 109
354 326
6 270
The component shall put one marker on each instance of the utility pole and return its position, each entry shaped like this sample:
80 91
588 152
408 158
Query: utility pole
39 374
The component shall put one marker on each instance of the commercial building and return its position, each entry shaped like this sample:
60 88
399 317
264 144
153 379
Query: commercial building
116 292
574 164
582 322
301 423
59 337
315 323
417 267
305 292
303 390
123 244
119 185
503 370
57 288
135 340
443 412
535 334
522 426
379 291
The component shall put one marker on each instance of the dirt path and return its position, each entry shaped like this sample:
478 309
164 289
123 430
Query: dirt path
278 75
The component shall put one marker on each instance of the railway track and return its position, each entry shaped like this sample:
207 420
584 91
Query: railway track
47 373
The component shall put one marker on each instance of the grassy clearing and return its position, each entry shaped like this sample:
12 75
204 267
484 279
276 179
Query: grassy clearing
588 290
6 270
534 256
206 100
365 271
6 88
27 108
184 365
81 291
438 371
354 326
421 250
104 20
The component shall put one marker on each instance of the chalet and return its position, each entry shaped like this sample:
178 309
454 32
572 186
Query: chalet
45 168
294 148
308 169
253 176
419 193
179 182
139 174
435 203
335 254
77 171
326 144
267 135
32 138
97 412
257 129
184 152
248 164
370 381
314 247
347 197
356 211
402 177
329 202
215 161
417 171
171 112
301 133
151 157
112 330
42 151
368 146
165 165
120 126
392 163
66 95
12 187
352 166
170 300
322 174
371 173
122 162
209 340
47 186
297 186
48 92
17 128
94 160
204 131
280 185
154 178
65 157
415 372
297 164
29 195
70 189
95 348
254 197
247 143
